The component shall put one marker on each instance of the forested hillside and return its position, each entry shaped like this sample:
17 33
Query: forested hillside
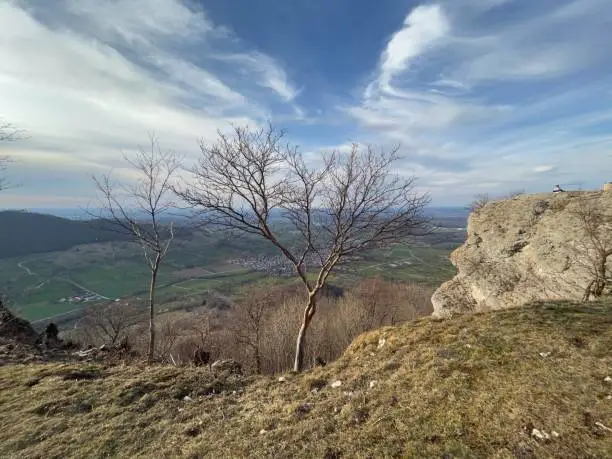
24 233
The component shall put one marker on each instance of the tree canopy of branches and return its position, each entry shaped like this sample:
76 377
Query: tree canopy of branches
136 209
348 204
4 162
8 133
107 323
594 253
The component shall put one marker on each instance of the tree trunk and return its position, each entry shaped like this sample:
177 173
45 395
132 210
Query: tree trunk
600 282
151 353
257 361
301 339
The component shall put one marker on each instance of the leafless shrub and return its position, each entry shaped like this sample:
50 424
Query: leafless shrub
514 194
248 320
480 200
594 251
107 324
339 321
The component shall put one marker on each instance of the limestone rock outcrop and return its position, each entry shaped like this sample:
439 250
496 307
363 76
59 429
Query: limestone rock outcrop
525 249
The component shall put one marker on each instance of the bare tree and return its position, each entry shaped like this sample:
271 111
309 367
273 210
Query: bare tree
8 133
136 210
595 251
349 204
248 319
4 162
108 323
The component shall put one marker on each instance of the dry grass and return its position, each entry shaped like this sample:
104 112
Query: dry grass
471 386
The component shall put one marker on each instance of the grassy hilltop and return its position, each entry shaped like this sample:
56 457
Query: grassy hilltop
527 382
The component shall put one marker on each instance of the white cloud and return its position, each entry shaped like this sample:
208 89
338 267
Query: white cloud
423 28
143 21
510 64
83 100
266 71
458 90
543 169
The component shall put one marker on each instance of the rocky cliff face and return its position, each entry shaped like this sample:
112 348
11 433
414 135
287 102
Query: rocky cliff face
525 249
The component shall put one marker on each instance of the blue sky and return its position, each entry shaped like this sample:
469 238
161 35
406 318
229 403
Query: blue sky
483 95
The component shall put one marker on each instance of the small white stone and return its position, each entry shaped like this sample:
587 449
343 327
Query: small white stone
262 431
336 384
372 384
539 435
381 342
469 346
601 426
187 398
608 379
348 394
282 379
544 354
555 434
609 397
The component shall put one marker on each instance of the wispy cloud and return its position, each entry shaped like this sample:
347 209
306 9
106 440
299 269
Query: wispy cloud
424 27
461 86
90 79
265 70
480 93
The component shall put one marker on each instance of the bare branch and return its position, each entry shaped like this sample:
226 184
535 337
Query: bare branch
593 254
349 204
8 133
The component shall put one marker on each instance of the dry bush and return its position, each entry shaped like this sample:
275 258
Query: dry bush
259 330
180 338
596 248
267 344
372 304
480 200
106 324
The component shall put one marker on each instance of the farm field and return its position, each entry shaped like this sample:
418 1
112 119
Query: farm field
47 286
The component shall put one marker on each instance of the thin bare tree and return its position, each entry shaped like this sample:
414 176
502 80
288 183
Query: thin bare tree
4 162
350 203
136 210
8 133
247 322
593 253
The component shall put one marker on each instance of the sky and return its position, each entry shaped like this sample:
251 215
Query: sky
483 96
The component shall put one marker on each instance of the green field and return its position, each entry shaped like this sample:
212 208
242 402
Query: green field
419 263
38 286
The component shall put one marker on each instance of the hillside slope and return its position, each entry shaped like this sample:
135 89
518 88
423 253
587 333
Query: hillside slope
486 385
24 233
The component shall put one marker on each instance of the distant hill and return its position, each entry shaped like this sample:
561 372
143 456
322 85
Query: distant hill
22 233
